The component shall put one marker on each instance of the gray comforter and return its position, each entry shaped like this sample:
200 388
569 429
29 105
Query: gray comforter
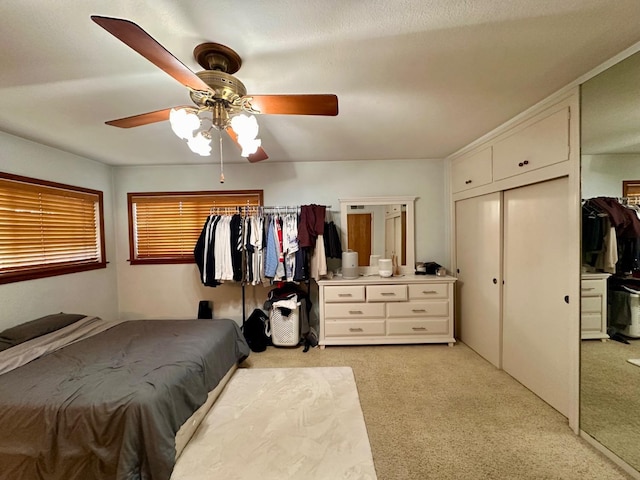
109 406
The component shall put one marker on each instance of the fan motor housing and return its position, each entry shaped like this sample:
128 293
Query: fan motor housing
226 87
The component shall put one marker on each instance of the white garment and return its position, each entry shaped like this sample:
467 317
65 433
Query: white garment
222 249
608 257
318 259
290 244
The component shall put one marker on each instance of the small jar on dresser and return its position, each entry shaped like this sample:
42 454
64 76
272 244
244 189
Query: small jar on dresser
374 310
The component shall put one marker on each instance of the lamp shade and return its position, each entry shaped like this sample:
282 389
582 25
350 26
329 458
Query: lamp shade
200 144
183 122
246 128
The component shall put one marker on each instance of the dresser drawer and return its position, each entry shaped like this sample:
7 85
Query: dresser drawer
538 145
354 329
591 304
591 322
471 171
352 311
418 327
592 287
418 309
429 290
346 293
386 293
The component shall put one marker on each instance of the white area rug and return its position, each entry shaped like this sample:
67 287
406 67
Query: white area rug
282 423
635 361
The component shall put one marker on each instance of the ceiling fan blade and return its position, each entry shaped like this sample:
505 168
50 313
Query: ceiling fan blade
139 40
295 104
142 119
254 157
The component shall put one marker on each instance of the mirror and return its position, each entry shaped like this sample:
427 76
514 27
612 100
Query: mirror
381 226
610 155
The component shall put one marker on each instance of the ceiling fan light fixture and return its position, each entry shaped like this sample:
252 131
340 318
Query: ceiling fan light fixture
200 144
246 128
183 122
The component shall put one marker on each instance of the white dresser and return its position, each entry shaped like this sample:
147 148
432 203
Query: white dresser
375 310
593 307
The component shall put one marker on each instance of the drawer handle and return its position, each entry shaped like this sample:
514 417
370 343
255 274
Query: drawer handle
522 164
418 329
586 289
388 294
419 310
355 312
345 295
355 330
426 292
468 182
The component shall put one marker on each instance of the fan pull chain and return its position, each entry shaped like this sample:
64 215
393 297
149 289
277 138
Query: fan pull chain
221 162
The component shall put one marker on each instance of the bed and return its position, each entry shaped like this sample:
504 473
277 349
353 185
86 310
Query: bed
105 400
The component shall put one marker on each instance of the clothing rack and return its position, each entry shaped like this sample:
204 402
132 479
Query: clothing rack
248 210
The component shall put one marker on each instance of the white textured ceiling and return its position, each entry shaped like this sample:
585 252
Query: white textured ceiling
414 78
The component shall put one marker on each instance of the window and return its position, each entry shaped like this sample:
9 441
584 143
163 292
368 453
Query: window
48 229
164 227
631 191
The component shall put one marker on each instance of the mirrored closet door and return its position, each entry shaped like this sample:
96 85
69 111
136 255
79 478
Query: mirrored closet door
610 303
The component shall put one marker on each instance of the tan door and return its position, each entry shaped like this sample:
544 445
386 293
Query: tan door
479 285
538 256
359 240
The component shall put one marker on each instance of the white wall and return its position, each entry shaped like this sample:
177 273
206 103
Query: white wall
173 291
91 293
602 175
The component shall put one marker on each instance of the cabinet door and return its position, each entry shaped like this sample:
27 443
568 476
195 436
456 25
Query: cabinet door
541 144
478 251
536 322
471 171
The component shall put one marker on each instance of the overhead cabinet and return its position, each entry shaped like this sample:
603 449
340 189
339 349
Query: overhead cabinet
471 171
538 145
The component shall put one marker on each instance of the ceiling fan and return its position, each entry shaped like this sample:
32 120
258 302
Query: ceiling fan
213 90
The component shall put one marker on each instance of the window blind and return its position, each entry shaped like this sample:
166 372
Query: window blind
47 230
164 227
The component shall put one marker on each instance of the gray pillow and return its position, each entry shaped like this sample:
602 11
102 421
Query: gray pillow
35 328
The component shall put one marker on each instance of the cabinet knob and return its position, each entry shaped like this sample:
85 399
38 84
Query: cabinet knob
526 162
495 280
521 164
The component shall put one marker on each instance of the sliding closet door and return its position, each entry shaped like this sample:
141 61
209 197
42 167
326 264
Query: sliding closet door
478 255
537 276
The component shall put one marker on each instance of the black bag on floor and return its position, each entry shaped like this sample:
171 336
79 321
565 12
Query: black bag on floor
256 331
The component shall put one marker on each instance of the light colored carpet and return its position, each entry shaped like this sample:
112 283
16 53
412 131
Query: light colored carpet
444 413
282 423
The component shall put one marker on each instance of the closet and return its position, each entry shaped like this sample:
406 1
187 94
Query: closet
515 203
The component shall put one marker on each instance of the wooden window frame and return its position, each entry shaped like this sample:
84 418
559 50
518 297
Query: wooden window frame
632 198
231 199
49 269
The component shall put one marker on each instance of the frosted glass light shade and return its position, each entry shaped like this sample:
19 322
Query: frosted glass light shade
246 128
200 144
183 122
